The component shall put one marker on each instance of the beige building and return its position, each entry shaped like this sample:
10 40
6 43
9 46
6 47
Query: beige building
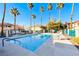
36 28
75 25
8 26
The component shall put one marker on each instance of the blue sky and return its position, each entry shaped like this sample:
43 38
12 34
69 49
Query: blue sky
23 18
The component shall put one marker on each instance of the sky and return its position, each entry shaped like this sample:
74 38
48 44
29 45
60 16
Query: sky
24 17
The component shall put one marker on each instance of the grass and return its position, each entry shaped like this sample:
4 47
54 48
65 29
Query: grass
75 41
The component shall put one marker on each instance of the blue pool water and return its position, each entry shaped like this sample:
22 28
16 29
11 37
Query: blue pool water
31 42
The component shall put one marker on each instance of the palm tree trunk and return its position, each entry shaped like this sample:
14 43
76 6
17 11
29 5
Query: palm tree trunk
30 19
41 19
49 15
59 14
2 31
15 23
34 25
49 20
59 20
72 11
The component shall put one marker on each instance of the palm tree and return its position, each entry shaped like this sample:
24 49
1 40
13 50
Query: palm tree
14 12
59 7
41 10
30 6
49 9
71 16
34 17
2 30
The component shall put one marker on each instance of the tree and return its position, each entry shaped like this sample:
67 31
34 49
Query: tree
71 16
49 9
63 27
56 26
41 10
14 12
2 30
34 17
50 25
59 24
59 7
30 6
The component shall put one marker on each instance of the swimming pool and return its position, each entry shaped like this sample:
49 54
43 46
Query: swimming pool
31 42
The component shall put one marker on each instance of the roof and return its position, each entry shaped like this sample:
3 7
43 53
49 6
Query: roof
8 24
11 26
77 21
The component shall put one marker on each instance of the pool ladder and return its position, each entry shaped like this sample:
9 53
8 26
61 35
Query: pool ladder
3 41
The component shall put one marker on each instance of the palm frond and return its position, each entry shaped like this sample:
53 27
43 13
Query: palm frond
41 9
60 5
30 5
14 11
33 16
49 6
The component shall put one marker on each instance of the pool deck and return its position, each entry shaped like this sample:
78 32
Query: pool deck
49 48
57 48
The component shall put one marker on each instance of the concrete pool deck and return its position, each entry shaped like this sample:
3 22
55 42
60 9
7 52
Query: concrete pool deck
46 49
